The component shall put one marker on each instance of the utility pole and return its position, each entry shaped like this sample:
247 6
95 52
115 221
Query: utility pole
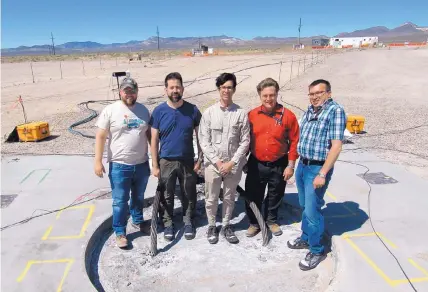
53 45
300 26
157 31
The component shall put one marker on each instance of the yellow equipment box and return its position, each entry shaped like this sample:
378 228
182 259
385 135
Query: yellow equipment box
355 124
33 132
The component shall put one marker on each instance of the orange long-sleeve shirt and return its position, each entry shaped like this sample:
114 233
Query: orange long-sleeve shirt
273 137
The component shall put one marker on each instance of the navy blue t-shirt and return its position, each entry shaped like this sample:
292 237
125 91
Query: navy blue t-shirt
176 128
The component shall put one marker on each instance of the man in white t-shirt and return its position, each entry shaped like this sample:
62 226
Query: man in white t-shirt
126 125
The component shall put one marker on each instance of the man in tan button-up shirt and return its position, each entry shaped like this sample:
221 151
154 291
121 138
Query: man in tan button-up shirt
224 136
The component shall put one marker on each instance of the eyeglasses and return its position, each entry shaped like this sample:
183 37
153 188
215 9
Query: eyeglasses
226 87
130 91
317 94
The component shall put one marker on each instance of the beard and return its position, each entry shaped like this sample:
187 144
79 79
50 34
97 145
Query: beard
129 101
175 98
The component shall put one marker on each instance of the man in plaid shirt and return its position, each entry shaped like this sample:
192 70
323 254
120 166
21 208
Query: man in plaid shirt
321 134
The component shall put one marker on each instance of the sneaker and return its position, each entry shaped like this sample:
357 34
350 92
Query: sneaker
228 233
253 230
121 241
212 235
143 227
275 229
297 243
311 260
189 232
168 233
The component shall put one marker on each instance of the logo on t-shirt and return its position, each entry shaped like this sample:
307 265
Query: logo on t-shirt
133 123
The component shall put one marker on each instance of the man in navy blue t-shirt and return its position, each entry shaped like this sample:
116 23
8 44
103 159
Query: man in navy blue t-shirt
173 124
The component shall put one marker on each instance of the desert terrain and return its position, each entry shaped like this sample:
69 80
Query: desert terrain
385 86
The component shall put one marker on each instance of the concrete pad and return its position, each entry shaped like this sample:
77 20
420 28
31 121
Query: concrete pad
48 252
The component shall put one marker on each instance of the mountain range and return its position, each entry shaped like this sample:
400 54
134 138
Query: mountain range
405 32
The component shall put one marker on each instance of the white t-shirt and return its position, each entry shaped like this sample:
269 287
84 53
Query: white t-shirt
127 142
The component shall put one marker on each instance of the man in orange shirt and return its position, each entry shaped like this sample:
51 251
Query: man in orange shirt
273 148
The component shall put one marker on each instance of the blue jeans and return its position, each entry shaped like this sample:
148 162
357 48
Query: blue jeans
123 180
311 201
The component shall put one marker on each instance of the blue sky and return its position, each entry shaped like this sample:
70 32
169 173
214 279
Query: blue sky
29 22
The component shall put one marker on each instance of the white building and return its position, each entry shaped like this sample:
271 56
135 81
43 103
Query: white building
354 42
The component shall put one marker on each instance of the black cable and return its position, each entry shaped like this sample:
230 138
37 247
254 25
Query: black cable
92 116
393 132
47 212
387 149
371 222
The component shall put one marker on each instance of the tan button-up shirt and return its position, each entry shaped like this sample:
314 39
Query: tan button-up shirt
224 134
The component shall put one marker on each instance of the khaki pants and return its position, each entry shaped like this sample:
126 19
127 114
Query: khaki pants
213 182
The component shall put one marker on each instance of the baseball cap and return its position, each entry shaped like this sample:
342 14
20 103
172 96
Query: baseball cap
129 82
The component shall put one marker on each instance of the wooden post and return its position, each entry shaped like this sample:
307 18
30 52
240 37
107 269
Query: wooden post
100 63
312 62
279 77
304 64
60 68
32 73
298 68
83 65
291 70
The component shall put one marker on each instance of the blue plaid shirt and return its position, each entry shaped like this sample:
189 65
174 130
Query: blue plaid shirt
318 129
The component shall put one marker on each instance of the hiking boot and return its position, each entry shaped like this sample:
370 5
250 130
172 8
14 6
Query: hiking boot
297 243
275 229
228 233
212 234
121 241
252 230
168 233
311 260
189 232
143 227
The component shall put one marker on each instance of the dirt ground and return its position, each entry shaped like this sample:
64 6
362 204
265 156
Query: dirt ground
385 86
196 265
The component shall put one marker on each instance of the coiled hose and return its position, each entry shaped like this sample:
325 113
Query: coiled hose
93 114
155 212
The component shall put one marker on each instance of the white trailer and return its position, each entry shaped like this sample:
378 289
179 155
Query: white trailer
354 42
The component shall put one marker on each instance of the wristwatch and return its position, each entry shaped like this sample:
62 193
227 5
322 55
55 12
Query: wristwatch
321 175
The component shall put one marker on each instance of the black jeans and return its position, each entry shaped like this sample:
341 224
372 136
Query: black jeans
170 170
259 175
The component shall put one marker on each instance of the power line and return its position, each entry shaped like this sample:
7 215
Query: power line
53 44
157 32
300 26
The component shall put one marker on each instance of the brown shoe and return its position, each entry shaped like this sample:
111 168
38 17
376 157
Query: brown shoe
143 227
252 230
275 229
121 241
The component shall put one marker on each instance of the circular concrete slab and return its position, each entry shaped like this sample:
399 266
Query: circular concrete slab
196 265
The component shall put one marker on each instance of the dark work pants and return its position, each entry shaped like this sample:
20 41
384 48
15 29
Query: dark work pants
170 170
258 176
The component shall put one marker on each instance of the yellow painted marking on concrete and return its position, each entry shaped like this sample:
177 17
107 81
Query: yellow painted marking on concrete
349 210
425 272
352 213
48 231
369 261
405 281
331 195
64 276
391 282
82 230
387 241
340 216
